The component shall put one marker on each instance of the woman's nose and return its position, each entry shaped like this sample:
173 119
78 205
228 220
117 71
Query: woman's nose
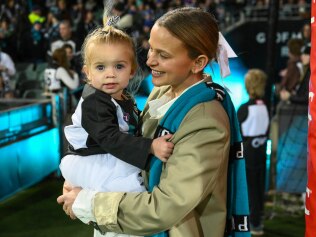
151 59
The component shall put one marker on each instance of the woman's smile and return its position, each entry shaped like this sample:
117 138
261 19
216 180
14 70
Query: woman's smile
156 73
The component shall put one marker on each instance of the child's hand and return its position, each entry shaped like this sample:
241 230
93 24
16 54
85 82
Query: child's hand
162 148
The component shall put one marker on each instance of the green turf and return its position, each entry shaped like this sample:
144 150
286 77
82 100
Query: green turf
34 212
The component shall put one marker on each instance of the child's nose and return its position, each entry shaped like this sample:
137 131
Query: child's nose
110 73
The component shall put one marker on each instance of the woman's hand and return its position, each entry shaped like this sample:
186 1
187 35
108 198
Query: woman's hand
68 198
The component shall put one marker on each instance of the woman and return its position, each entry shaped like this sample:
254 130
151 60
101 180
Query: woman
58 73
189 198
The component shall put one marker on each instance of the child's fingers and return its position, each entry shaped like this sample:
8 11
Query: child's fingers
167 137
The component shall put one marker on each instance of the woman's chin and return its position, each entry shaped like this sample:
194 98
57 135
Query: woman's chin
157 82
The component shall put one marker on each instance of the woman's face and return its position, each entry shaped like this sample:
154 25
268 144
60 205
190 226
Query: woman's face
169 61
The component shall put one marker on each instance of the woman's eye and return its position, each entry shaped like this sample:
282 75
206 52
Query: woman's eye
100 67
163 55
119 66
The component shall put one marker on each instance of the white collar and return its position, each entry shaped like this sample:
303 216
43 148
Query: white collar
158 107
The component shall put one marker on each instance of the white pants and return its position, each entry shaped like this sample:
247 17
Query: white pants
104 173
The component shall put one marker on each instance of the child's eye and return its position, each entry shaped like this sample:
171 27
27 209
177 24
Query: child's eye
119 66
100 67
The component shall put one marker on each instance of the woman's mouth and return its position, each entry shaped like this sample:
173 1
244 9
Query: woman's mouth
156 73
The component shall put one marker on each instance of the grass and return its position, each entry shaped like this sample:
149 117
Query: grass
34 212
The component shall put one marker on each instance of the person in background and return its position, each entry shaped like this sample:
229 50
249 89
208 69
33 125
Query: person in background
65 37
62 10
126 18
60 79
73 60
8 37
105 152
142 54
34 44
58 74
52 26
300 93
306 33
187 196
7 70
86 25
36 15
292 73
254 122
76 66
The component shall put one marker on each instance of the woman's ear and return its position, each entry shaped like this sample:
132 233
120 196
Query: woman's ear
200 63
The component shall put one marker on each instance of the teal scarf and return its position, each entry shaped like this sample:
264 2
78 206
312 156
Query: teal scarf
237 197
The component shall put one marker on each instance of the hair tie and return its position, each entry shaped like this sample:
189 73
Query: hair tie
113 20
224 51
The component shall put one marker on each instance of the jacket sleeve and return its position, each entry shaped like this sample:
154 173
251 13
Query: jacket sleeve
100 121
199 162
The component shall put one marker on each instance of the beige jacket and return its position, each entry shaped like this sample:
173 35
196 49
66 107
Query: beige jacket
190 200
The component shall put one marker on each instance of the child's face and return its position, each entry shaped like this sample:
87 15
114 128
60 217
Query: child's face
109 67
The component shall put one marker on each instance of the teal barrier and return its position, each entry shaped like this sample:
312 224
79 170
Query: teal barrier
28 161
29 143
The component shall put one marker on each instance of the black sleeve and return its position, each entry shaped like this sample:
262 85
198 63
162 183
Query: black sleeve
242 115
100 121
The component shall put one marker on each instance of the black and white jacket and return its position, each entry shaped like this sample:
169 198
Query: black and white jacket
101 124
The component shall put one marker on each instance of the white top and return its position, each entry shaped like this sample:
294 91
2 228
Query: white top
53 77
6 61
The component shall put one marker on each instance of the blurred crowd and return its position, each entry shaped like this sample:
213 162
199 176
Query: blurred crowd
31 30
28 28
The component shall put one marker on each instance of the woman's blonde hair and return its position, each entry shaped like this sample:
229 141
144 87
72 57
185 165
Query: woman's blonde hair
197 29
255 81
108 34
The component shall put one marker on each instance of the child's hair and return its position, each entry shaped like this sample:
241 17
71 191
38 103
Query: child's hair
60 57
108 34
255 81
